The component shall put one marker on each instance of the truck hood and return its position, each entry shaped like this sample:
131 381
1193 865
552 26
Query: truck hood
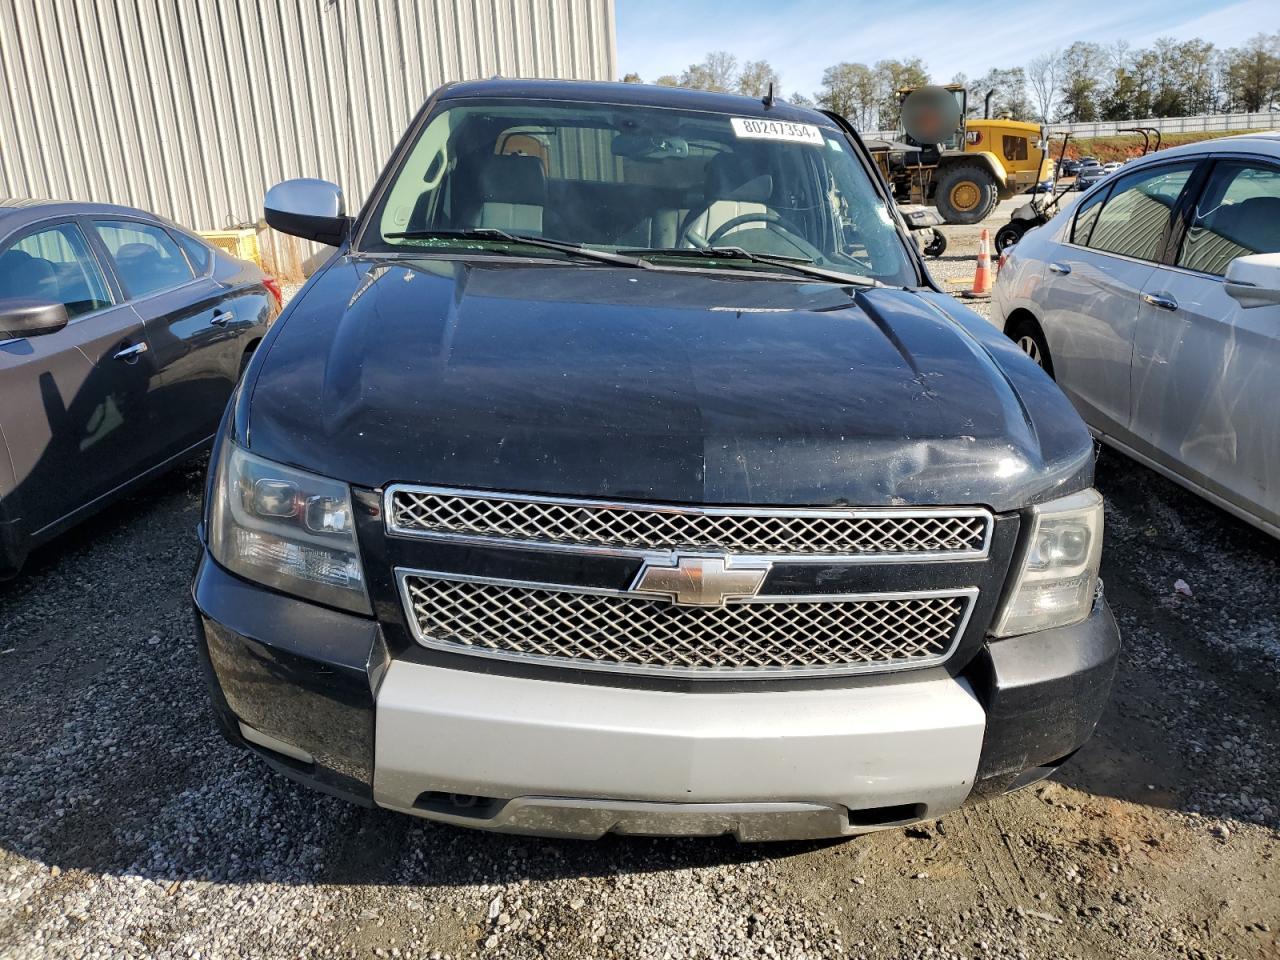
675 386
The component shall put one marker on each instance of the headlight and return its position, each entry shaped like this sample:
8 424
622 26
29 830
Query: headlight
286 529
1058 568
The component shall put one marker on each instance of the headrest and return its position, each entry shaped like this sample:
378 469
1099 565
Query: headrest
1253 223
136 251
22 275
511 178
733 176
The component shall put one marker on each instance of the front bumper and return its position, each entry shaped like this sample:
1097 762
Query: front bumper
316 693
906 749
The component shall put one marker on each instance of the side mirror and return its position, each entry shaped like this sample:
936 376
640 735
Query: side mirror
30 318
307 208
1254 281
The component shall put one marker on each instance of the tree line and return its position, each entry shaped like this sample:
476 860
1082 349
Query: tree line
1082 82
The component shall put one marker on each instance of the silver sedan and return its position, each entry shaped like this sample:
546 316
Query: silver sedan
1154 301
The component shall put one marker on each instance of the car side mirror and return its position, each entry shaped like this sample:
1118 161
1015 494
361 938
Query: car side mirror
308 208
31 318
1254 281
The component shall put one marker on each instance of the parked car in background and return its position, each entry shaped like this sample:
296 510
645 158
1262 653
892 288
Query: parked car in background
121 339
624 470
1069 167
1090 172
1111 166
1155 304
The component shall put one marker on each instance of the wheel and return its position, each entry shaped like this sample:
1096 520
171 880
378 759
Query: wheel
965 194
1030 340
1009 234
763 216
937 245
788 231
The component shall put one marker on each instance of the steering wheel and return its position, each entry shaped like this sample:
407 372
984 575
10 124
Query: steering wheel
788 230
763 216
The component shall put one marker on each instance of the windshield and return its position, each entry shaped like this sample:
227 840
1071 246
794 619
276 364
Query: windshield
650 182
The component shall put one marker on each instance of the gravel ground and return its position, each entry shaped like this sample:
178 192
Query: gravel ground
954 269
129 829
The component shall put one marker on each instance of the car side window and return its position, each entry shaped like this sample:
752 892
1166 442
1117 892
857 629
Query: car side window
1237 215
1134 218
147 259
54 265
197 251
1086 215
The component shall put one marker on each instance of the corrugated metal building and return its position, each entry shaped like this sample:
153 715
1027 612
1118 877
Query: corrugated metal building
192 108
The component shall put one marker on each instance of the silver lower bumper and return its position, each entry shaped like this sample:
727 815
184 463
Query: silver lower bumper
581 760
591 819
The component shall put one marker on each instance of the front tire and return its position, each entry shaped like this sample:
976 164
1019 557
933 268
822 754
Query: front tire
966 193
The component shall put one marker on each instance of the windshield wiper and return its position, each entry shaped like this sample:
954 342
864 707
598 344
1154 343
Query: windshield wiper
798 264
493 233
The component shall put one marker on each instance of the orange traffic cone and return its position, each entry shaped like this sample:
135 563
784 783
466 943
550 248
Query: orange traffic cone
982 276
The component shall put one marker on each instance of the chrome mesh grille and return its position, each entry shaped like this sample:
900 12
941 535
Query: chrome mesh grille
633 634
730 530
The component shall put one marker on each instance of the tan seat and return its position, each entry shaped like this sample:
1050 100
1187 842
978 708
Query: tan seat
739 187
511 193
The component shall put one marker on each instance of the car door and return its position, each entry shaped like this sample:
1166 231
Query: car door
193 333
1093 284
1206 370
72 402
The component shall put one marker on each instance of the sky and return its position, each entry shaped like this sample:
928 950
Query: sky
800 38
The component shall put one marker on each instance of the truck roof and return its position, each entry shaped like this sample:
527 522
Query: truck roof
633 93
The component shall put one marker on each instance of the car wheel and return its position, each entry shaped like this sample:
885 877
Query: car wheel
1009 234
1030 340
965 194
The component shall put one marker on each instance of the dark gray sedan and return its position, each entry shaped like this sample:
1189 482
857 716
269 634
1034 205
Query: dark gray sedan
121 339
1089 174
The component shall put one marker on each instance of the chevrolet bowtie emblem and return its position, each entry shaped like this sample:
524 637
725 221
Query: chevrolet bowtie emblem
702 581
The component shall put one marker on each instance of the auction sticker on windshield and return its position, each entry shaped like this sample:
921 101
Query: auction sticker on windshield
753 128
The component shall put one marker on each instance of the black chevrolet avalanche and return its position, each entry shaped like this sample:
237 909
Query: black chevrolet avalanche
623 470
